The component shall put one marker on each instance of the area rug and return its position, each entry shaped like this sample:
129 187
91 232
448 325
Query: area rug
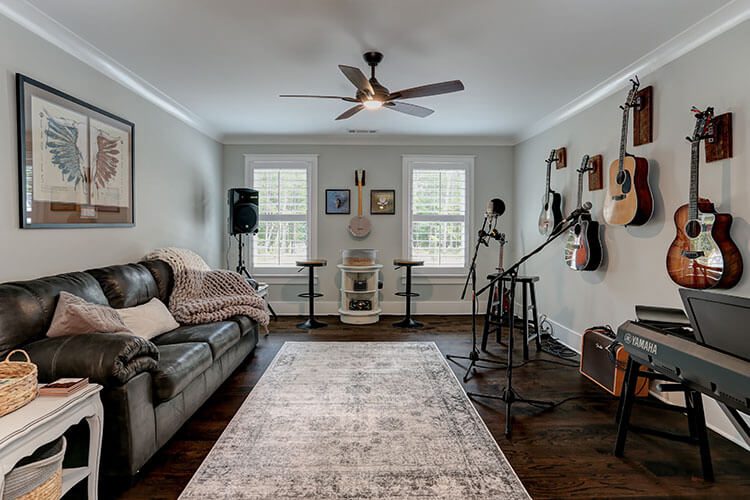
356 420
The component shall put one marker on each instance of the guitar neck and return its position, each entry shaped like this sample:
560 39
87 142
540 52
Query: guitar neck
694 170
359 200
624 137
547 183
580 190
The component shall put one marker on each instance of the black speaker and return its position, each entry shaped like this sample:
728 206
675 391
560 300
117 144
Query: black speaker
243 210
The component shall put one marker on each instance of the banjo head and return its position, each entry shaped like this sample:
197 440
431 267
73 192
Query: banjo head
359 227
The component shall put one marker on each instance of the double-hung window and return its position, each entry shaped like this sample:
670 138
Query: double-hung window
286 186
437 214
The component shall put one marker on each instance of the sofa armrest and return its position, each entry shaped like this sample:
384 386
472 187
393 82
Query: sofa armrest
105 358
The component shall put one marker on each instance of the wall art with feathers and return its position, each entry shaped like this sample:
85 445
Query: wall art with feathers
75 161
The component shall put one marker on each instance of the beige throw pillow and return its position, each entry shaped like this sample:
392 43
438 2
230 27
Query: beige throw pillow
148 320
74 316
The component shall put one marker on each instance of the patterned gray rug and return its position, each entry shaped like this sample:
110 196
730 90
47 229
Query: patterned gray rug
356 420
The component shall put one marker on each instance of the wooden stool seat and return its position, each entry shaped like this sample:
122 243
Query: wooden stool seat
407 262
311 294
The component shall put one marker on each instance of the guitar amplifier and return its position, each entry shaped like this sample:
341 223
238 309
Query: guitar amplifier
603 361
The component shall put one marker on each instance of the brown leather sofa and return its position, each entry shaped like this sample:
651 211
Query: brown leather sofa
150 387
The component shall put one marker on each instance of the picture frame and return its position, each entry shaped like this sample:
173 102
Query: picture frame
382 201
338 201
76 161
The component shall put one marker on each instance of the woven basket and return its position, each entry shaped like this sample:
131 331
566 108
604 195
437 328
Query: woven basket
21 387
39 479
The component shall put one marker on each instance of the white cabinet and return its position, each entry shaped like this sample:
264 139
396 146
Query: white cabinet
360 301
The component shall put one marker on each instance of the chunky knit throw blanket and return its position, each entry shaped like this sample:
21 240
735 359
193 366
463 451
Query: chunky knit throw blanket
202 295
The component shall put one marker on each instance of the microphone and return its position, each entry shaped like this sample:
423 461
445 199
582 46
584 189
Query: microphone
575 214
495 208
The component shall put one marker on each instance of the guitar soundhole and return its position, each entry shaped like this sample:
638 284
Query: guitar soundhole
693 229
623 179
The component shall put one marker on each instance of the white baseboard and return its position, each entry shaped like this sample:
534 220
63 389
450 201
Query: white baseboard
572 339
331 308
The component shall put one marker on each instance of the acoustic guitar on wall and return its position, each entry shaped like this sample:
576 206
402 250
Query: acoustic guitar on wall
583 246
551 215
628 201
702 254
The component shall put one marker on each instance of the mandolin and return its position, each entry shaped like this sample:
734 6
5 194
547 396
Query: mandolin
702 254
583 246
628 201
551 215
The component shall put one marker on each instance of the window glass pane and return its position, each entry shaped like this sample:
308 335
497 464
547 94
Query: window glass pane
436 193
280 243
283 194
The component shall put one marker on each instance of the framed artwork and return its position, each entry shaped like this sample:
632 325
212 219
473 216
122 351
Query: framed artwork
382 201
338 201
75 161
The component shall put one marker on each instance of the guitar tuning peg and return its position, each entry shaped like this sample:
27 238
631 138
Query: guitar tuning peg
622 107
689 139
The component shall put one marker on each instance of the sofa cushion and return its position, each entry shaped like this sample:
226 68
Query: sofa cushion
220 336
126 285
27 307
179 364
163 276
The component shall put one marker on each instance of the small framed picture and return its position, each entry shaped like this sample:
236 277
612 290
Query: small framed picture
382 202
338 201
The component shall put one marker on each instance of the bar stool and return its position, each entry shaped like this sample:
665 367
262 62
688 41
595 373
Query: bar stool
493 318
311 264
408 321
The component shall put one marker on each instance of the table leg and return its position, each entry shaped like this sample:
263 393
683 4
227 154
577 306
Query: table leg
95 446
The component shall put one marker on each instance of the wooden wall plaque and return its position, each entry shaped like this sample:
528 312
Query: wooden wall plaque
719 146
643 117
562 158
596 176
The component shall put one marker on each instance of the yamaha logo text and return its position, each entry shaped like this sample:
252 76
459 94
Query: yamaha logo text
641 343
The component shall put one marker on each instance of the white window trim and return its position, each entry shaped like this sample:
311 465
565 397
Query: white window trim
448 163
312 213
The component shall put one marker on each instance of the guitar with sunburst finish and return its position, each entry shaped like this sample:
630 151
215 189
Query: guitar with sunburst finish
702 254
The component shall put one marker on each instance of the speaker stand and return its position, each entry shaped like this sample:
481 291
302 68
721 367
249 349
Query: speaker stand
242 270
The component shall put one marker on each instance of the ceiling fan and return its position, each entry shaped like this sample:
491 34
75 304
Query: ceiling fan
372 95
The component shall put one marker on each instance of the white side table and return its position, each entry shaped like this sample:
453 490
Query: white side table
46 419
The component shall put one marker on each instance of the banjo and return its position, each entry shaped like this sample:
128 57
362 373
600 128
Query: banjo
359 226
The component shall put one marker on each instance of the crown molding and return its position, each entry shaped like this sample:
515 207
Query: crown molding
367 140
711 26
39 23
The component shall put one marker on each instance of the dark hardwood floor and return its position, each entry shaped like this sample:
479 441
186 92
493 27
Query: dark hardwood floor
561 453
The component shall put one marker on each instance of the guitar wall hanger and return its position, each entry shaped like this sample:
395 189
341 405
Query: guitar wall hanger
561 158
717 136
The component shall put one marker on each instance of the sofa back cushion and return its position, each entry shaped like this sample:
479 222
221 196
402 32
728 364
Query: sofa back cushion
27 307
162 273
127 285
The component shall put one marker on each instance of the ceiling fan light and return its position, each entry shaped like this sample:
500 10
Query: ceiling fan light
372 104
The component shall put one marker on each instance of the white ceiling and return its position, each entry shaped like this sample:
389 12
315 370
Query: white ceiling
227 60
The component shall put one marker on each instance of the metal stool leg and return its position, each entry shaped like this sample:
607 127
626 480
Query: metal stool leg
408 321
535 317
311 322
525 301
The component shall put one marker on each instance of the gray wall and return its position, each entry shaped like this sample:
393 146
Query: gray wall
634 271
177 172
493 177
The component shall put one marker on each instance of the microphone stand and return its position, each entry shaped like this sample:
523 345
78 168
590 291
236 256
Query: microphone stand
508 395
473 356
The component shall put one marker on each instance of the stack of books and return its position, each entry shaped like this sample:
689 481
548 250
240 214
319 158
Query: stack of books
63 387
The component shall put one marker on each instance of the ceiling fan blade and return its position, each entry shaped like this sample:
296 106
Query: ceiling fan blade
428 90
347 99
409 109
358 78
350 112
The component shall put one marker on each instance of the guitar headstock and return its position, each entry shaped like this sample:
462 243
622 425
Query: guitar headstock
552 157
703 124
632 99
586 165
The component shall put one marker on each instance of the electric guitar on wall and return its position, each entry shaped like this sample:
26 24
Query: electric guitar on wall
551 215
702 254
628 201
583 247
